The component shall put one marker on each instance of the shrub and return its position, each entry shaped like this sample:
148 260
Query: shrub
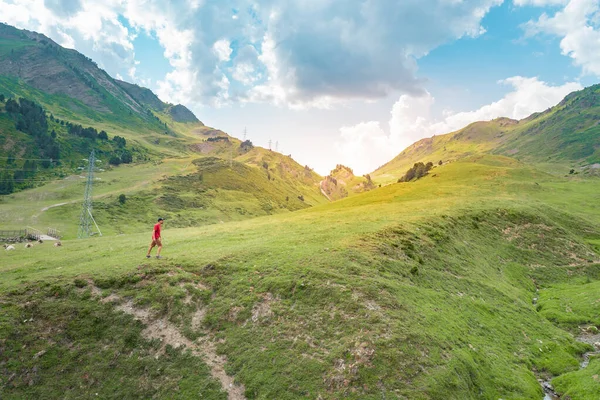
246 145
417 171
126 157
122 199
119 141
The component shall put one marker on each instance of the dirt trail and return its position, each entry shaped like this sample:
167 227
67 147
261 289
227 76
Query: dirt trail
56 205
169 334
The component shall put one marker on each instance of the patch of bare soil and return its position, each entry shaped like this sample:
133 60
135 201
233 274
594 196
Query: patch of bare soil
262 311
202 148
168 334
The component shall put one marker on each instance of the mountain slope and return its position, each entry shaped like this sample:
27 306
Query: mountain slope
39 62
567 134
146 97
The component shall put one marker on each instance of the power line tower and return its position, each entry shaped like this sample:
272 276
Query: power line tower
270 142
245 133
86 218
277 146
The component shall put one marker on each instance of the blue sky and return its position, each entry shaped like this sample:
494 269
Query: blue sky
335 81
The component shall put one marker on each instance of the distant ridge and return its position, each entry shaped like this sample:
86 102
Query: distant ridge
145 96
566 133
35 60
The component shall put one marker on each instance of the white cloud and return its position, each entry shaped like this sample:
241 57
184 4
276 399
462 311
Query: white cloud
309 53
363 147
366 146
245 73
539 3
319 52
222 49
578 26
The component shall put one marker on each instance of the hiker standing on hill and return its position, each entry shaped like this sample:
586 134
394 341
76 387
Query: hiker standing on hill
156 241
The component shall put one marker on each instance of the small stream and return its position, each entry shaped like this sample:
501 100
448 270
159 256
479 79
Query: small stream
593 340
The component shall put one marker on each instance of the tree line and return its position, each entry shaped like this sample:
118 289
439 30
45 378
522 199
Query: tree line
30 118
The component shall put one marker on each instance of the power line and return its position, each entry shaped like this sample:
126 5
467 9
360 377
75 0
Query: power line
20 169
30 159
23 180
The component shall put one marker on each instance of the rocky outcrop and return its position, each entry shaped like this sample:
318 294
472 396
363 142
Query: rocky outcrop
180 113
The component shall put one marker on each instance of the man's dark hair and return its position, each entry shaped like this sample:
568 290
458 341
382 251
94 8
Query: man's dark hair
160 219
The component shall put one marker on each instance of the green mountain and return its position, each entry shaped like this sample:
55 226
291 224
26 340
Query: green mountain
567 134
38 62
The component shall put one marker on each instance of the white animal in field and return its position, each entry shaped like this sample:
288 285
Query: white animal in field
57 244
9 247
28 245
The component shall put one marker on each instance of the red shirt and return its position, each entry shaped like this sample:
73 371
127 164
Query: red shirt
156 234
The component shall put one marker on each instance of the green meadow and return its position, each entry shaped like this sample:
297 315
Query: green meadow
470 284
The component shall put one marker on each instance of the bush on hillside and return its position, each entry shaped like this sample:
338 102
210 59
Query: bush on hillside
126 157
7 183
78 130
119 141
2 98
218 139
417 171
12 107
103 135
246 145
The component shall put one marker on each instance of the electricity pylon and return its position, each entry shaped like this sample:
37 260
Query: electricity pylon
86 218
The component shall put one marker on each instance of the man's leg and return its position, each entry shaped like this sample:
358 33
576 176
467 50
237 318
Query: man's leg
159 248
150 248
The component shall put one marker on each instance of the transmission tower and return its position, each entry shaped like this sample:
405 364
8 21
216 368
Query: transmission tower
270 142
277 146
86 218
245 133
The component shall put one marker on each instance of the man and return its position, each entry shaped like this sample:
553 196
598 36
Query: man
156 239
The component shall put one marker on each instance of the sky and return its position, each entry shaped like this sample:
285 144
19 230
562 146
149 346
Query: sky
350 82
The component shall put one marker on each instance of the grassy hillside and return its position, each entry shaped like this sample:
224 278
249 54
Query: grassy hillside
564 137
187 192
568 132
420 291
